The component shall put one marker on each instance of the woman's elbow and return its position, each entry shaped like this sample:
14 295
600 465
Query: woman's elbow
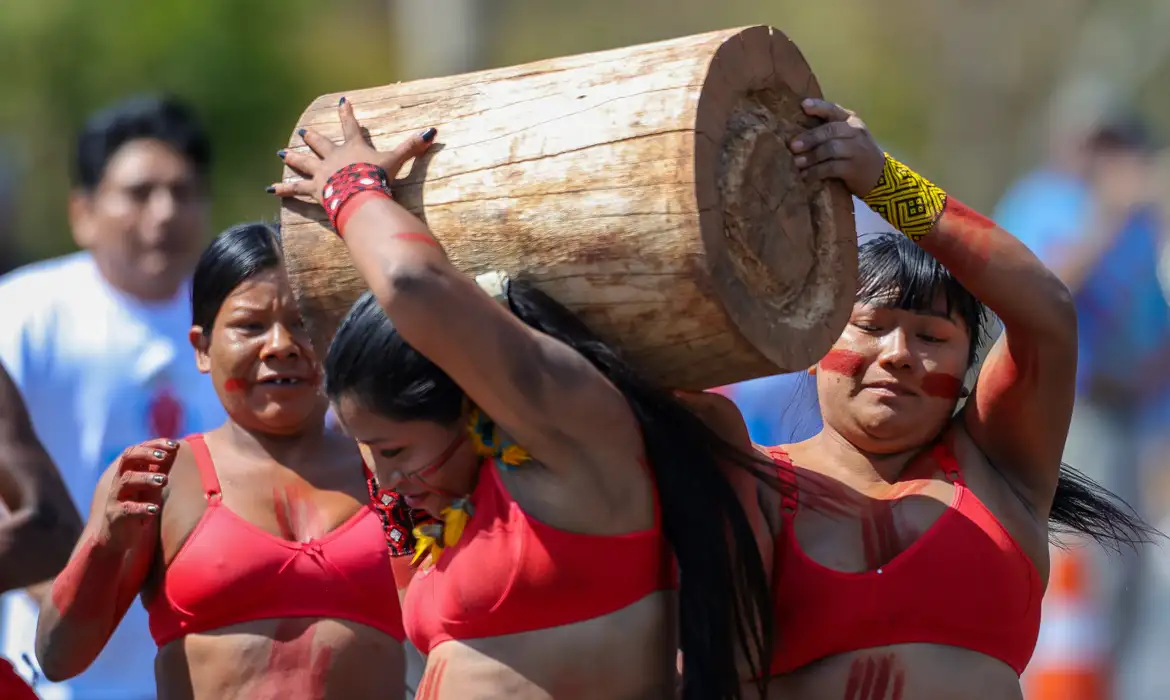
1062 313
405 283
54 667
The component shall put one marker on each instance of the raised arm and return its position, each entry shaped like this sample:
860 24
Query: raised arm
517 375
1022 404
110 563
43 524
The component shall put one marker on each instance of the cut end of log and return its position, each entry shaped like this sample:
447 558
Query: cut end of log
782 251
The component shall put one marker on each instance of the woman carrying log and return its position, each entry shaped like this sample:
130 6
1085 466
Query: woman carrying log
549 573
256 549
911 556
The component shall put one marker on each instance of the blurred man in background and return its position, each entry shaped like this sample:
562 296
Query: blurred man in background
97 341
38 522
1093 218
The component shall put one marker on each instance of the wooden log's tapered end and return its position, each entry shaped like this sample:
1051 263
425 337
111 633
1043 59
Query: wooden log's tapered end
782 252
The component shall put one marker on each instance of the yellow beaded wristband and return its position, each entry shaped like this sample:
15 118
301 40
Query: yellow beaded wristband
910 202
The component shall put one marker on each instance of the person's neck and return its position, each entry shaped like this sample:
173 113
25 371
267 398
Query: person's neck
283 449
834 449
144 291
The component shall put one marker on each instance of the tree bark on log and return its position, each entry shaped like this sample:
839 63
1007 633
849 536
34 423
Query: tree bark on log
649 189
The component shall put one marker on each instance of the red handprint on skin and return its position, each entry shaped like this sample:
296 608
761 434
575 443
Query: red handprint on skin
875 678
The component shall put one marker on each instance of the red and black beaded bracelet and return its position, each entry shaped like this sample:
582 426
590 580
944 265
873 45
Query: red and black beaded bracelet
344 185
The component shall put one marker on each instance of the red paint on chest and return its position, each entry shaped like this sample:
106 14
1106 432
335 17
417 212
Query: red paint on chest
942 386
297 518
844 362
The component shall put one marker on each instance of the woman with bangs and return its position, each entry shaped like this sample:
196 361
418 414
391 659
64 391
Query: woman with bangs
910 555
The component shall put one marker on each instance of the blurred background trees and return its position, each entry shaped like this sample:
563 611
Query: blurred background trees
971 90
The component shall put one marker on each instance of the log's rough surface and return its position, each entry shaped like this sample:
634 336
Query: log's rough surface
650 189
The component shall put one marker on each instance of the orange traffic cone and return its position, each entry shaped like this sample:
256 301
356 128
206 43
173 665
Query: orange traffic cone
1070 662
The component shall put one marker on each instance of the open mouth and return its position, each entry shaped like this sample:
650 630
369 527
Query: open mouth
281 381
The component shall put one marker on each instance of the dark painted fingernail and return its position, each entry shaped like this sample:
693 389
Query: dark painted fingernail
172 443
159 479
341 101
281 153
159 454
429 134
301 133
152 509
271 189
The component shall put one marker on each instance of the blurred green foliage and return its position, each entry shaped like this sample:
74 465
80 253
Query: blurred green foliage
950 84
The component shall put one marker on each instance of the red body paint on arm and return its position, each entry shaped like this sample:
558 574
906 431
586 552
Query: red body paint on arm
88 583
418 238
962 239
966 216
942 386
844 362
87 600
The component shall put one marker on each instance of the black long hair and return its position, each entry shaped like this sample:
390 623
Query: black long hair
724 598
893 271
235 256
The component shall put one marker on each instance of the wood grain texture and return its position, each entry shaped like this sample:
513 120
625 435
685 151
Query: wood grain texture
647 188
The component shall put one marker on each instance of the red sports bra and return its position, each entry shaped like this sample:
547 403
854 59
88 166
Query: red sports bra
964 583
511 573
230 571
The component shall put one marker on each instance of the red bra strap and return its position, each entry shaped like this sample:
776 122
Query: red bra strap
946 461
786 474
206 467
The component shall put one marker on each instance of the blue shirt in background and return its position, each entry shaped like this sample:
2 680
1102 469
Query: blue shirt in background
1122 311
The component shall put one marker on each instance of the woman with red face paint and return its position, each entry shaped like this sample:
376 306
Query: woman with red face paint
560 481
910 556
257 551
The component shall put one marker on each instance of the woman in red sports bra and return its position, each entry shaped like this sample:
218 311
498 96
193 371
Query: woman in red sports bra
256 548
548 570
910 556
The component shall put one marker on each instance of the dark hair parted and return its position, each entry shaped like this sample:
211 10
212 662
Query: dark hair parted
160 118
894 271
235 256
724 598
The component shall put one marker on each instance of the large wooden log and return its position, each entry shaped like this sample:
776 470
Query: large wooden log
647 188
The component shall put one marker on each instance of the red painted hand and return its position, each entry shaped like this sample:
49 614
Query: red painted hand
135 495
327 157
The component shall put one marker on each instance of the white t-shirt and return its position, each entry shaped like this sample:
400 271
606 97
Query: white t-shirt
100 371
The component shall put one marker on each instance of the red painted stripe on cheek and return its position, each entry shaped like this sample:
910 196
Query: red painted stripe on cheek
844 362
942 386
234 385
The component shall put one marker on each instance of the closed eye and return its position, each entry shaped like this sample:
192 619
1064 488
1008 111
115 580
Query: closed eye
391 452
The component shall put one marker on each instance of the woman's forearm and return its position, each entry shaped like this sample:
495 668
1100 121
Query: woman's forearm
86 602
990 262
